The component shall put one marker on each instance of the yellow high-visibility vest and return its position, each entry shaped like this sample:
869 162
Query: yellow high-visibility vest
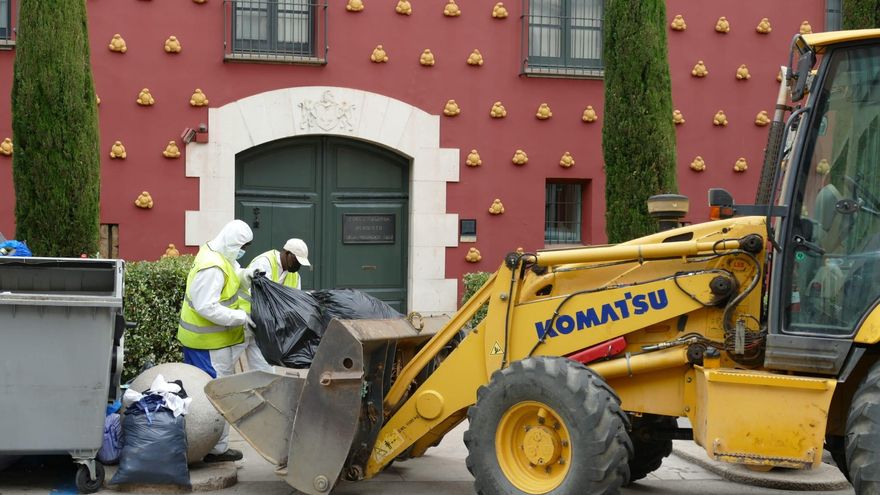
194 330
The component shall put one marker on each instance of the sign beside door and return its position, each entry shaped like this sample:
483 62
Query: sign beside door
368 228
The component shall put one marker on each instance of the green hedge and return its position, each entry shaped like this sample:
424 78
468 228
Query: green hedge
154 292
472 283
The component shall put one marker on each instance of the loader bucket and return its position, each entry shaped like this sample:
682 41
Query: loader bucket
261 406
334 412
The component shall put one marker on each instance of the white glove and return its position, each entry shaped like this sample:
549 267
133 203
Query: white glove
251 272
250 323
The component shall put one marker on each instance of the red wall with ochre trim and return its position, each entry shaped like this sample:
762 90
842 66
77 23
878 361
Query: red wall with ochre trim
145 131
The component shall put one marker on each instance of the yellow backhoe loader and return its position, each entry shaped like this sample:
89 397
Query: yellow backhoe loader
760 327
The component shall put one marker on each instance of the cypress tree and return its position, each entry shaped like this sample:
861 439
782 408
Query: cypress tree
638 136
861 14
56 164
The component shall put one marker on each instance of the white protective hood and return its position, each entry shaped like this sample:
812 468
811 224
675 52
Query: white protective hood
231 238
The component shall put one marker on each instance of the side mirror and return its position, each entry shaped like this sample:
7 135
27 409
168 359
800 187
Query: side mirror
805 64
720 204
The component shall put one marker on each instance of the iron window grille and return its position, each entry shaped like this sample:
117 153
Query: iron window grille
562 38
291 31
562 213
7 30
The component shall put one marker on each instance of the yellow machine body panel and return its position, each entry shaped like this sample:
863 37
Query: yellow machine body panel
818 41
869 331
760 418
660 291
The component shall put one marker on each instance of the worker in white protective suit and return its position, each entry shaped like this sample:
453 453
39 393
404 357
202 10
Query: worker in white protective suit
211 327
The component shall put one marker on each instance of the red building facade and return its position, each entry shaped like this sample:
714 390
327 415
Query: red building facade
288 70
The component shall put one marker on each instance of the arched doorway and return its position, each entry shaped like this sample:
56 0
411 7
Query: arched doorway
349 200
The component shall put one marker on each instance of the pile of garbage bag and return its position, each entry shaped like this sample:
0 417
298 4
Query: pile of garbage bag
154 432
290 322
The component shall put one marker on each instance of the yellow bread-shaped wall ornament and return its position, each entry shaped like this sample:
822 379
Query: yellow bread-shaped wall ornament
473 159
451 9
144 201
6 148
198 98
544 112
473 255
172 45
567 161
451 109
171 151
379 56
427 58
520 157
117 151
499 11
498 111
678 23
171 252
698 165
117 44
403 7
677 117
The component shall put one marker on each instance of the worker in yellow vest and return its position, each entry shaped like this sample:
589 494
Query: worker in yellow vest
211 328
282 267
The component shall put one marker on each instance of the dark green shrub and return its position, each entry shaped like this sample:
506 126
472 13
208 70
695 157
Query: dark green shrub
56 166
638 136
861 14
154 292
472 283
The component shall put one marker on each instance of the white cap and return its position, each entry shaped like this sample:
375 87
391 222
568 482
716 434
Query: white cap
298 248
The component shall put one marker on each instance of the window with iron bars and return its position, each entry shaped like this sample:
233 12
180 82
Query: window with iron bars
6 28
562 213
562 38
292 31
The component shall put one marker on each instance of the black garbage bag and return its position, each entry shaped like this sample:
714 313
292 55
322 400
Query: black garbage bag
289 325
155 446
350 304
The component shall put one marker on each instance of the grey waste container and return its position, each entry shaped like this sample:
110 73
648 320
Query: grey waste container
61 327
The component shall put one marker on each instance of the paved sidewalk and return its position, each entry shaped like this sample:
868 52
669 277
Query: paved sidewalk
441 472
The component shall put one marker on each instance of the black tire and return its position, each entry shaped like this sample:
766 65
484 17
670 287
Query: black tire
649 450
588 408
85 483
863 435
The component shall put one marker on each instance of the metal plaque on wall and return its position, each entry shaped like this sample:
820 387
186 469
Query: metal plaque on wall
368 228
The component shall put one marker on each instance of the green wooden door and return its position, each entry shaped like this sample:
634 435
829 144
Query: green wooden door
348 200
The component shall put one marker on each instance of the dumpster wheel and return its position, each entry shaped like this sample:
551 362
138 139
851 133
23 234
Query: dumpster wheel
84 481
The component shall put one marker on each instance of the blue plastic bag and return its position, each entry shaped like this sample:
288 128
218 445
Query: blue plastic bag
111 445
14 248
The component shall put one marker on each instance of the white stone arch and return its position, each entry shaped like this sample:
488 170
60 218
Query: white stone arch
346 112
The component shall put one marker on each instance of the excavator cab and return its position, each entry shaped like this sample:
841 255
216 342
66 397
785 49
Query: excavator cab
824 281
760 327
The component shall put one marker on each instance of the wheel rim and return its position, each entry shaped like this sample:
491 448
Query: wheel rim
533 447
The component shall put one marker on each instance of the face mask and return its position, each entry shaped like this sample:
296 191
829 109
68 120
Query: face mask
240 254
